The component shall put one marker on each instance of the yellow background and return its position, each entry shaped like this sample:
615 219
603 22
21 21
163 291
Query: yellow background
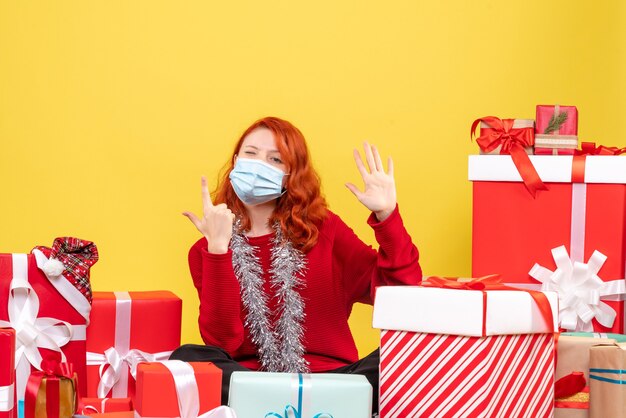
111 111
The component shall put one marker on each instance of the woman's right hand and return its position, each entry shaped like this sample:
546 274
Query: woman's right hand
216 224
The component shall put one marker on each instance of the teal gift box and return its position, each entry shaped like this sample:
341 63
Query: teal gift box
283 395
620 338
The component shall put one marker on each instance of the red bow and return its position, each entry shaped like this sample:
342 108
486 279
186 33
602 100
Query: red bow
492 282
513 142
589 148
569 385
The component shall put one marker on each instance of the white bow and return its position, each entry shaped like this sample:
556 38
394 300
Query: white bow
114 366
6 398
31 332
580 290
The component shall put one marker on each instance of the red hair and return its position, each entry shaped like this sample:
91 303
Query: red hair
302 208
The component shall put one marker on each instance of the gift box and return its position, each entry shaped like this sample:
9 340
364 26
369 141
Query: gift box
464 352
261 394
523 129
607 385
92 406
43 301
51 393
163 388
556 130
7 373
583 211
128 328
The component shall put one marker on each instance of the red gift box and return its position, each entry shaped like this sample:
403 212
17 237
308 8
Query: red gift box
51 307
162 387
7 373
127 328
582 210
92 406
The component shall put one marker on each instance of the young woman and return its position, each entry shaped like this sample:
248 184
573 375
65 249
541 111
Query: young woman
277 273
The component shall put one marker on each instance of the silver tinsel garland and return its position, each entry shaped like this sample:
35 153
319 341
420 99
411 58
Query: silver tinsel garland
280 347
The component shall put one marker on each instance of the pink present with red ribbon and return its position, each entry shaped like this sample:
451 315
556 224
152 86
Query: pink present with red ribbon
575 233
128 328
45 297
8 402
472 349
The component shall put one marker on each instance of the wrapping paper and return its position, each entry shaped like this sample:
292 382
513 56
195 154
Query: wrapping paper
92 406
607 368
278 395
22 283
545 112
512 231
160 389
127 328
8 405
446 375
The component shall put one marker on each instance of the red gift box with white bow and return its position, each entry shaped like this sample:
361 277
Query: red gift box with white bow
570 238
47 311
128 328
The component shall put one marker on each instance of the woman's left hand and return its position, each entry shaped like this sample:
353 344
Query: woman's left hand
379 195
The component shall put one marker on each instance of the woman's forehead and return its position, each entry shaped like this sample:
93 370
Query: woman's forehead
262 139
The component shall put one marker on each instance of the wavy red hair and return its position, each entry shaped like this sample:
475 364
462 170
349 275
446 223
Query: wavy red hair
302 208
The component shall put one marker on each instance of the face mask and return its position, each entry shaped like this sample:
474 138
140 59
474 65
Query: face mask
256 182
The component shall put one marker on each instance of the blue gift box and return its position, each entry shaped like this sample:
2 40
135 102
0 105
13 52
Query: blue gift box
287 395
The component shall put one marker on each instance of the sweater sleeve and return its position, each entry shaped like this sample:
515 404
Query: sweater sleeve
363 269
219 293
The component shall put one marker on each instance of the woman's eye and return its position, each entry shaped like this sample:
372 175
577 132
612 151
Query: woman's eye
249 152
276 160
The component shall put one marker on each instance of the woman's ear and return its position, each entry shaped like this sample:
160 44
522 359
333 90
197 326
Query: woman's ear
234 159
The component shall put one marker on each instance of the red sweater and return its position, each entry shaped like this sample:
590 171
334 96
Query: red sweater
340 271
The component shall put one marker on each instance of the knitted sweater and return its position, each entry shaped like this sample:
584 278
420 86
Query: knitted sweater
340 271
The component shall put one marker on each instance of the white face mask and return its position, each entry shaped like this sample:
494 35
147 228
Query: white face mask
256 182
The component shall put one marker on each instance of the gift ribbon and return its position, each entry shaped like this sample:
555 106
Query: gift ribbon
492 282
53 373
93 409
301 389
580 290
188 395
7 397
116 362
31 332
513 142
590 148
65 288
621 375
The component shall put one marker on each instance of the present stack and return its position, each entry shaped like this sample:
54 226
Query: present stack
554 221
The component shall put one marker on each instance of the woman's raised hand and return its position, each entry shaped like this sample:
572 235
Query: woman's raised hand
379 195
216 223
